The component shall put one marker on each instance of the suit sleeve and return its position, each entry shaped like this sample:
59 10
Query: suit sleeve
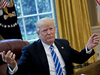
22 64
77 57
80 57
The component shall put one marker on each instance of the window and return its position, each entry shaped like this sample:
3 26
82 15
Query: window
28 13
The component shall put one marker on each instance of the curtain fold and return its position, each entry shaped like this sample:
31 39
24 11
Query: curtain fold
74 25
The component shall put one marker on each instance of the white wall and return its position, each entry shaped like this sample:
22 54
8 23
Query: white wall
96 29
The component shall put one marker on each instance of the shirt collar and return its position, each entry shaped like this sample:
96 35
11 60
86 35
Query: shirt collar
47 46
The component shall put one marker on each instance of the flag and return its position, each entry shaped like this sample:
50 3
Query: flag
98 11
9 27
3 4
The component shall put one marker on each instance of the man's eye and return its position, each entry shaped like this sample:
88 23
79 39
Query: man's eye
51 28
44 30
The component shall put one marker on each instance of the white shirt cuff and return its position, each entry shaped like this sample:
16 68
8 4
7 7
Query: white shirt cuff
88 52
12 71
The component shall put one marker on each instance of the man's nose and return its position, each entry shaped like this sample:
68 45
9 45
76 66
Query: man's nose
48 32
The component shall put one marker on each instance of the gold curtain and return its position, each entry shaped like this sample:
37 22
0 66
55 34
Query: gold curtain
74 25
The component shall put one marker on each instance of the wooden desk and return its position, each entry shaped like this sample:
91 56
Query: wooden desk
93 69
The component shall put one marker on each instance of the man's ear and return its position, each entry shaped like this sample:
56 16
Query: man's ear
38 34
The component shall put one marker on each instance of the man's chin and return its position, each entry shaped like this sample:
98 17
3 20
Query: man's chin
51 41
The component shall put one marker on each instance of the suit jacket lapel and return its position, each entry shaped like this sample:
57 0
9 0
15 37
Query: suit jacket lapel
43 57
62 49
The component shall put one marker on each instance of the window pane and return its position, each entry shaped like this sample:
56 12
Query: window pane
18 8
7 1
20 22
46 15
28 16
28 7
44 6
30 24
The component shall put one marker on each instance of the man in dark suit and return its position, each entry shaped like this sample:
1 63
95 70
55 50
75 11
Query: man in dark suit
37 58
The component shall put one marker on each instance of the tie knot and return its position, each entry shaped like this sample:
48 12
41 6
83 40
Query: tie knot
51 46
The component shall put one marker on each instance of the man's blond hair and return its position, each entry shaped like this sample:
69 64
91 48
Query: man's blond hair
44 21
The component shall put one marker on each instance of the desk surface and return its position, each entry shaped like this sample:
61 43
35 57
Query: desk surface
93 69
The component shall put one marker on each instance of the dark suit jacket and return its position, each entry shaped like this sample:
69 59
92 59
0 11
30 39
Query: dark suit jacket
34 61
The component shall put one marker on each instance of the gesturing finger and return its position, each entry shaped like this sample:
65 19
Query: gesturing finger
7 56
13 56
3 55
96 41
94 35
0 53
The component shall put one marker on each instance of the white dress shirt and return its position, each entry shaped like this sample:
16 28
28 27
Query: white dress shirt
50 60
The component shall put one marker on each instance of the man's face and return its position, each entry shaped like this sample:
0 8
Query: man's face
47 34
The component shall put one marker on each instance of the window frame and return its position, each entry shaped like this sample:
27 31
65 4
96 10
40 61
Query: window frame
32 15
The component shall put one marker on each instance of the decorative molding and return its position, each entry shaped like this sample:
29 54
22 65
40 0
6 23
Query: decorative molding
96 29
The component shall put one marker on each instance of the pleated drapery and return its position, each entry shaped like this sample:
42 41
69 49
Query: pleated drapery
74 25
